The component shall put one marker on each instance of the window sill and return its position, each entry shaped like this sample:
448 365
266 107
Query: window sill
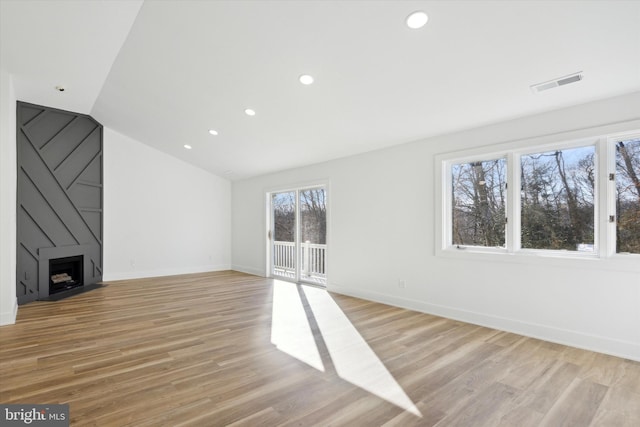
566 259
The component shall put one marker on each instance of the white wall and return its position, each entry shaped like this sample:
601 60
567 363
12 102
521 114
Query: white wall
162 216
8 302
382 230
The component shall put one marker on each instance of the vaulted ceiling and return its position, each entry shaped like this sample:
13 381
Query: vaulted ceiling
165 72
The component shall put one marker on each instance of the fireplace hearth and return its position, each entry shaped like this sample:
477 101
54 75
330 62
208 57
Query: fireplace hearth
65 273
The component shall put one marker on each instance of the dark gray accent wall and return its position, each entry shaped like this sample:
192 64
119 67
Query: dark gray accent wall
59 195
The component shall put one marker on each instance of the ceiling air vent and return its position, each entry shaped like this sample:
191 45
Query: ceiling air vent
571 78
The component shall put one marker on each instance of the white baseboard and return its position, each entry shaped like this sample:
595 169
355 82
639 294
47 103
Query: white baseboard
9 317
600 344
128 275
248 270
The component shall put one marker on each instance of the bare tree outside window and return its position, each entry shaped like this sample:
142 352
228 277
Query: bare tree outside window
628 196
313 216
557 199
479 201
284 216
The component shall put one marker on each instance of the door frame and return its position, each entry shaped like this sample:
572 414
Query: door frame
269 229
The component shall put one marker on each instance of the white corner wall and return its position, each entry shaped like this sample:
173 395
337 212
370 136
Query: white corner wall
8 173
162 216
382 229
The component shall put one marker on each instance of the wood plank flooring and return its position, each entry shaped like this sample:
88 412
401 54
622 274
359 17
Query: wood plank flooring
197 350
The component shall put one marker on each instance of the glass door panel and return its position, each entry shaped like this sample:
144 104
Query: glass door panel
313 235
283 238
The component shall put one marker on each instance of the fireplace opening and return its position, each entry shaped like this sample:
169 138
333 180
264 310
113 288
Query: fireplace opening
65 273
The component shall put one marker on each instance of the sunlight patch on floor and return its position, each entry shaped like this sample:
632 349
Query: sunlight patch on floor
290 330
350 354
352 357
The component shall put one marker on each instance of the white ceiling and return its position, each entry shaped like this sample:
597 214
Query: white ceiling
166 72
70 43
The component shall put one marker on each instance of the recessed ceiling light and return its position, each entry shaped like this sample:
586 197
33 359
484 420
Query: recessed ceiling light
306 79
213 132
60 88
187 146
417 20
249 112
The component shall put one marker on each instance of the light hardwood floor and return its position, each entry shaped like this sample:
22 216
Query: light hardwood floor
197 350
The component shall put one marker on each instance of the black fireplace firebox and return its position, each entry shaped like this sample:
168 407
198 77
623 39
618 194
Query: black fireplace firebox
65 273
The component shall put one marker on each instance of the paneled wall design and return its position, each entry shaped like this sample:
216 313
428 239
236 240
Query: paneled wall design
59 200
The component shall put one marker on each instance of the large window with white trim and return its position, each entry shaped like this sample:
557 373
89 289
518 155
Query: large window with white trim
578 198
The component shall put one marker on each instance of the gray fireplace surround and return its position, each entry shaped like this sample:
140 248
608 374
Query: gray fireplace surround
59 201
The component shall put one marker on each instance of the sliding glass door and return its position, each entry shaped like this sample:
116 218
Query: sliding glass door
298 235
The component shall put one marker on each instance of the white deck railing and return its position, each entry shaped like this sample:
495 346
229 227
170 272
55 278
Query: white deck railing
313 259
284 255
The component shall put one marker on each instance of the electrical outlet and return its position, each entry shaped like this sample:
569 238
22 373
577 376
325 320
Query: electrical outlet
132 262
401 284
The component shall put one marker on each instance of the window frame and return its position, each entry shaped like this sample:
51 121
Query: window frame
449 207
517 221
604 196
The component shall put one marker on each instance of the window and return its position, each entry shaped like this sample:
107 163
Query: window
557 199
479 202
576 198
627 178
